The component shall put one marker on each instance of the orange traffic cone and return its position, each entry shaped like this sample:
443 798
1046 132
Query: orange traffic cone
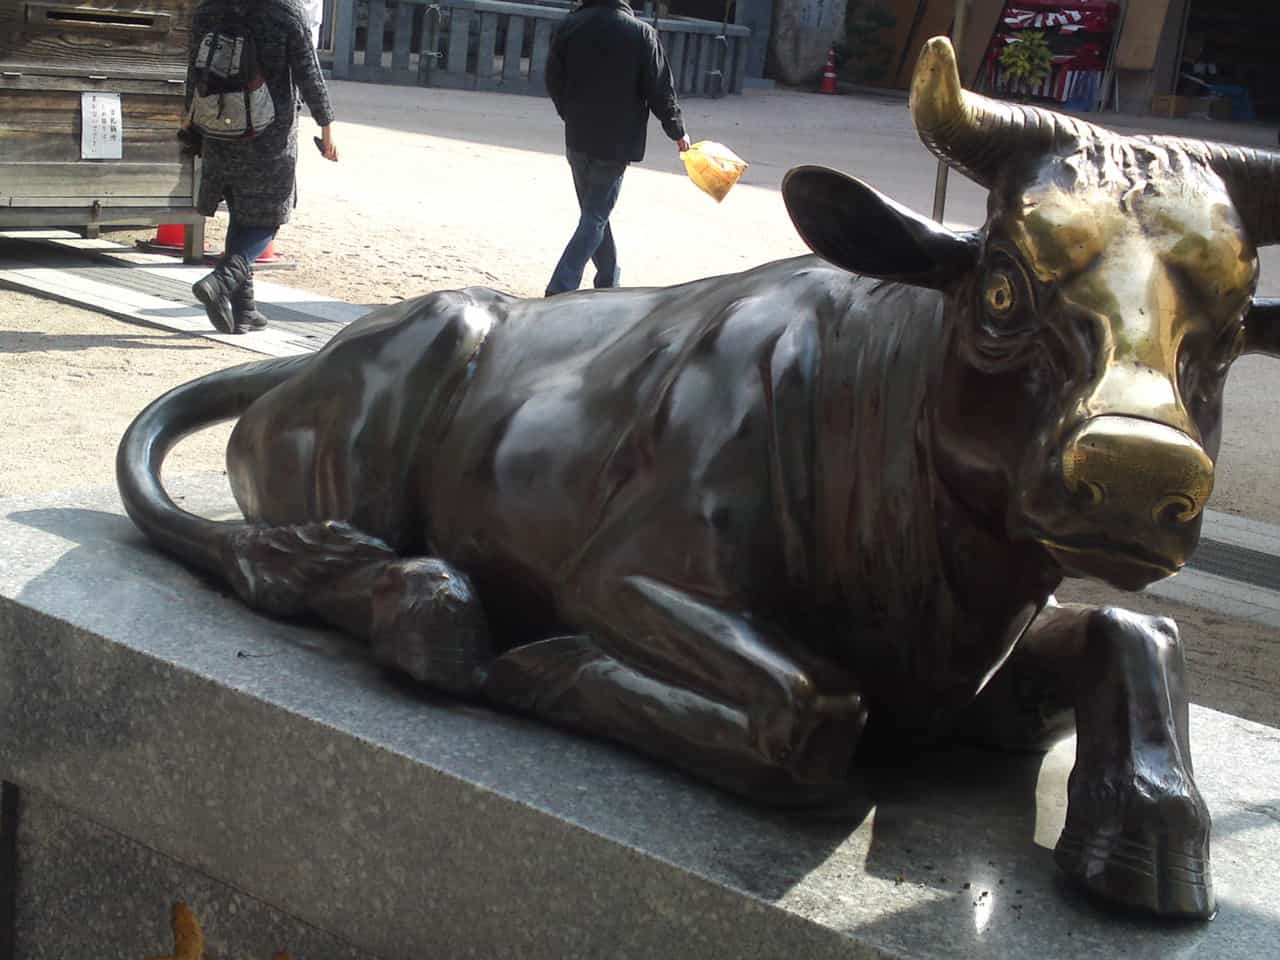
829 73
169 236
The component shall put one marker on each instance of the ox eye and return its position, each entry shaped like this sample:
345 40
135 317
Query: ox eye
1000 295
1008 308
1004 314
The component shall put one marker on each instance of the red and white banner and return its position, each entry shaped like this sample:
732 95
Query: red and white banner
1062 19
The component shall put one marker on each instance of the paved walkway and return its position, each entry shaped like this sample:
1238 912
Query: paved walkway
154 290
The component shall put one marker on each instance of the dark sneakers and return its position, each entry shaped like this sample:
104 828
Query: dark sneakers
216 290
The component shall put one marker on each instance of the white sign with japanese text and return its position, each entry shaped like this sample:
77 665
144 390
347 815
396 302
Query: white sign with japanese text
101 126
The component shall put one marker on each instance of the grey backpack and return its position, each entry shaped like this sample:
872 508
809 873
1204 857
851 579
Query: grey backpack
231 99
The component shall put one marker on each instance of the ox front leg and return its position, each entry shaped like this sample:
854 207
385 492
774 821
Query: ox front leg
1137 829
699 687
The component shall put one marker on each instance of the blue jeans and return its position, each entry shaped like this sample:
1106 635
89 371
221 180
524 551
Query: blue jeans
249 242
597 183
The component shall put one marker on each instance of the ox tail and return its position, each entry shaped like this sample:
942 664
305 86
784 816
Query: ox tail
211 399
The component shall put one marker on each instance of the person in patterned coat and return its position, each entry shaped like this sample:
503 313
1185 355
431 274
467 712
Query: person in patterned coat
257 178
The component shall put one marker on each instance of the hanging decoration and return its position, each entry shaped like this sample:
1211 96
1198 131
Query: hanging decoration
1080 34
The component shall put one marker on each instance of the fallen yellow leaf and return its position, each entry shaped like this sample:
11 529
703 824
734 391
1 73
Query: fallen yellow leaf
188 938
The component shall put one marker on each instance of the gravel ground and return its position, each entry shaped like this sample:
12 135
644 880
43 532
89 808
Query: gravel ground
72 380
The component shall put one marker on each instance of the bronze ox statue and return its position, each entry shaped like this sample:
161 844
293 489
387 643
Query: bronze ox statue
754 524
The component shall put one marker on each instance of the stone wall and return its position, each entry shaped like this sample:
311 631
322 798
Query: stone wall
803 32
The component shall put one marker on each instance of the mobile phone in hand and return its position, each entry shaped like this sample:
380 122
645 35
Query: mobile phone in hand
319 144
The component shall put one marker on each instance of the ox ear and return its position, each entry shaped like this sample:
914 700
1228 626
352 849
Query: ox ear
1262 327
858 228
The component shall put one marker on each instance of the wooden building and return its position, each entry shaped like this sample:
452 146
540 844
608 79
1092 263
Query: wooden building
91 95
1214 56
1225 47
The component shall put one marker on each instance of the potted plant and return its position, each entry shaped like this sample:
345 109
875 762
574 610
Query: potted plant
1027 61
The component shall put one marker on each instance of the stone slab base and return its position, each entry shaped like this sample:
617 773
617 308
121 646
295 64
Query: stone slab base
174 746
86 891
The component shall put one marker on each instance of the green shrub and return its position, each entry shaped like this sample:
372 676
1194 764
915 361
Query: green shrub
1027 61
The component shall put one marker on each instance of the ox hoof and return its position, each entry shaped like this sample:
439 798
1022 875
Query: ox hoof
810 748
427 622
1154 858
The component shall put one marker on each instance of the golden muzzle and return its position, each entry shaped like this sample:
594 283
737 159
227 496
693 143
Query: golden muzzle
1139 469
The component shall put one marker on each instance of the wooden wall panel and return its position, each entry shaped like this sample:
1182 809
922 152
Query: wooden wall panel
66 184
898 36
918 20
1140 37
984 15
38 126
935 21
80 48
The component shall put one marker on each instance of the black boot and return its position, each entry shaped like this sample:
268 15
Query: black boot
215 291
243 308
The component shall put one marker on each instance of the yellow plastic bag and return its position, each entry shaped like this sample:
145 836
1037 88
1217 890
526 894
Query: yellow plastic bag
713 167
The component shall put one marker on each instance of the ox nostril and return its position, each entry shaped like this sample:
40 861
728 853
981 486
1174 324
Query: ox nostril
1085 492
1075 474
1175 508
1137 468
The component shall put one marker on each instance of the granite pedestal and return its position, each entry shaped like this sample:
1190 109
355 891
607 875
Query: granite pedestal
160 743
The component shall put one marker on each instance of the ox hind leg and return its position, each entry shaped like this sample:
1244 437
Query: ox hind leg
695 686
340 440
1137 829
418 615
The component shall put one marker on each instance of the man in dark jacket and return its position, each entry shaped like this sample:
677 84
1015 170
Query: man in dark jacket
606 72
